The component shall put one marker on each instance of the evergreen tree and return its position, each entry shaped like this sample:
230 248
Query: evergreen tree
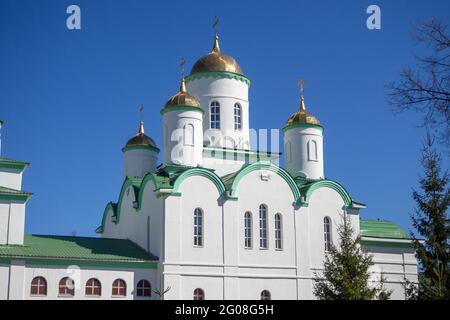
346 271
430 221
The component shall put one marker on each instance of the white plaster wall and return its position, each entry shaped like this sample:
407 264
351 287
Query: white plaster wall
139 162
227 92
11 178
12 222
4 281
394 264
297 163
106 276
176 151
222 166
17 280
144 227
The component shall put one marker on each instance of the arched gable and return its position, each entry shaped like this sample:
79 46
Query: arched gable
332 185
199 172
264 165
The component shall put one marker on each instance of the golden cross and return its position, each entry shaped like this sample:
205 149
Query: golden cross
301 85
216 24
141 110
183 62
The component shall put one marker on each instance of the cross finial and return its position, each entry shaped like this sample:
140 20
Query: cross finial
301 85
216 24
182 63
141 111
183 83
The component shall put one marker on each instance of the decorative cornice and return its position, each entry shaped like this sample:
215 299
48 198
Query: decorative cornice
181 108
218 74
302 125
127 148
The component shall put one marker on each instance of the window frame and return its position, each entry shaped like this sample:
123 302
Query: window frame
248 232
214 115
265 295
327 239
143 289
237 116
39 285
68 292
119 288
198 293
278 229
263 228
198 227
93 287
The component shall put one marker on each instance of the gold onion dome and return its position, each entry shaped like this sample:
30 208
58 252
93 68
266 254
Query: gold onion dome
141 139
216 61
182 98
302 116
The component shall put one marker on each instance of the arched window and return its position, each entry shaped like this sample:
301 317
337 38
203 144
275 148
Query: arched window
38 286
93 287
199 294
188 134
215 115
278 230
327 233
198 227
312 150
119 288
144 289
263 226
66 287
248 230
265 295
237 116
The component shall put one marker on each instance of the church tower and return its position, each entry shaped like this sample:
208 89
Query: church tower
140 154
303 143
183 128
218 82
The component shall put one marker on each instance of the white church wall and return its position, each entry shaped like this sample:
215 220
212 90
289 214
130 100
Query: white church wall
12 222
106 276
222 166
280 289
227 92
138 162
4 278
11 178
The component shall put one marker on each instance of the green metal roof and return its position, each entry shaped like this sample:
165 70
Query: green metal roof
77 248
13 164
13 194
381 229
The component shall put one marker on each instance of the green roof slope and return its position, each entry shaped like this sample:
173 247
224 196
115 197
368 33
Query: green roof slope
77 248
381 229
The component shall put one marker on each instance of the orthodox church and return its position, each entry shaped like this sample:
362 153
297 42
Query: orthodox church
214 220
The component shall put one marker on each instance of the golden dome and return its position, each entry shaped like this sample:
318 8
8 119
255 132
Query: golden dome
140 139
216 61
182 98
302 116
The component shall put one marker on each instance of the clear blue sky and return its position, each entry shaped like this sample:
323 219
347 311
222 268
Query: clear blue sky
69 99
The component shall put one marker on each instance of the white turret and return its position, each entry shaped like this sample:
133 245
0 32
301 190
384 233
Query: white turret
141 155
183 128
303 144
217 81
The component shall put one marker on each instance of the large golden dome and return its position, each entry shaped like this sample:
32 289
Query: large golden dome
302 116
141 139
216 61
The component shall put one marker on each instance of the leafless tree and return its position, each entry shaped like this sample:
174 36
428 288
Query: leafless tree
426 88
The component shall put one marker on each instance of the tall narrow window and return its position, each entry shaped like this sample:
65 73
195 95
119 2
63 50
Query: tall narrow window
188 134
144 289
278 230
215 115
119 288
198 227
327 233
66 287
265 295
237 116
263 226
93 287
248 230
38 286
312 150
199 294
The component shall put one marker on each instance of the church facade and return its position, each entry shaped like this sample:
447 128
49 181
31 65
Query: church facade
214 220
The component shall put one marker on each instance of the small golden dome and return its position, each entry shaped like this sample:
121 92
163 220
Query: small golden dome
302 116
216 61
141 139
182 98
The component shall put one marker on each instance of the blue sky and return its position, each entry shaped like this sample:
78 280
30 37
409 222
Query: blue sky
70 99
